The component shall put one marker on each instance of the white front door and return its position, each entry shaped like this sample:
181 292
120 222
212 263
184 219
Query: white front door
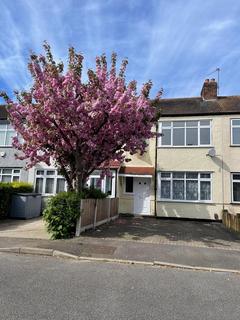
141 187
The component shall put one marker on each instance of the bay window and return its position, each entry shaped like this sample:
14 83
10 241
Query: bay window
185 133
105 184
49 182
184 186
9 174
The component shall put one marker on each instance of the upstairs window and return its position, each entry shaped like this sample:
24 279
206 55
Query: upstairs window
235 132
185 133
6 134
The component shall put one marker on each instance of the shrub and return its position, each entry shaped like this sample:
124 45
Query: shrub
92 193
6 191
63 209
61 214
21 187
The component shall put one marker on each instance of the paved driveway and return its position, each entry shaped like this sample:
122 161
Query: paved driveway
32 228
182 232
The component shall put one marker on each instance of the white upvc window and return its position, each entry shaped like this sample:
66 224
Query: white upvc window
235 187
9 174
6 134
106 184
191 133
185 186
49 181
235 132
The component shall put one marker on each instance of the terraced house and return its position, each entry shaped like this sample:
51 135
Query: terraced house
191 170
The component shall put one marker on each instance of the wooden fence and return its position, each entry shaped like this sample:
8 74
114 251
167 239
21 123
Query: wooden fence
231 221
95 212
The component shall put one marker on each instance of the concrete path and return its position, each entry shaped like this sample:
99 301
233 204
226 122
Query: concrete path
138 251
32 228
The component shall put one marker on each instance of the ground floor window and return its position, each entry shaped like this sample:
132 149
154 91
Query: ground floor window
106 184
128 185
184 186
49 182
9 174
236 187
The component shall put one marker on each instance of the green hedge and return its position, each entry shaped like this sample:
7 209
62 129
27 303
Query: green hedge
61 214
6 191
63 209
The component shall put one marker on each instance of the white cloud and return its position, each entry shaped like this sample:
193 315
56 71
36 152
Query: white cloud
220 25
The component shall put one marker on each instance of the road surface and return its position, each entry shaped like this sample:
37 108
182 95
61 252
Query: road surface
33 287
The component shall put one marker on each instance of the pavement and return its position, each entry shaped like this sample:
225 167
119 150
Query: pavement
192 243
34 288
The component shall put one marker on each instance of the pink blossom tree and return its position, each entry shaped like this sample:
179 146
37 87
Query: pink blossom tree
79 125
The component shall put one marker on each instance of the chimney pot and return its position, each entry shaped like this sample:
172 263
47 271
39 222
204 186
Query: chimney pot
209 89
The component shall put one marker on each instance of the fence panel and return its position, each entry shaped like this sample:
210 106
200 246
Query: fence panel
96 212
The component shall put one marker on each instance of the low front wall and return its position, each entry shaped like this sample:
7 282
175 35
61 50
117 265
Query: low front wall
189 210
231 221
95 212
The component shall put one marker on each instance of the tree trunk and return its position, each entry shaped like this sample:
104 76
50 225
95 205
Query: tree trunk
79 183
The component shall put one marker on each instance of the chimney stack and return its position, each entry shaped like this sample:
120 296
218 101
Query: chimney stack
209 89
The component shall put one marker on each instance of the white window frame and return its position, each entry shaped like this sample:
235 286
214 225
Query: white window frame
199 179
238 181
160 128
8 128
103 182
44 176
234 126
13 174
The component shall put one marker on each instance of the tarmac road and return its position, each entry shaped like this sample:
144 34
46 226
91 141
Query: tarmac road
33 287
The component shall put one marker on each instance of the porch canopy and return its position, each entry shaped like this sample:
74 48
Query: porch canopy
145 172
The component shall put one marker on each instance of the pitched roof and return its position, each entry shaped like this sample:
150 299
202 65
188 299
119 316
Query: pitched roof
197 106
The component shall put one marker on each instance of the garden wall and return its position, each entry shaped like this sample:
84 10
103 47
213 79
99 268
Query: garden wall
95 212
231 221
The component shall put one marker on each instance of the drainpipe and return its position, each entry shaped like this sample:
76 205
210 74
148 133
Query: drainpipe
223 190
155 171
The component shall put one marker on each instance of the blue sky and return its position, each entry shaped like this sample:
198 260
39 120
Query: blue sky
176 43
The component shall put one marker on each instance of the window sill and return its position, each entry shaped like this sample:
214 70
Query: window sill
185 147
6 146
235 203
234 145
186 201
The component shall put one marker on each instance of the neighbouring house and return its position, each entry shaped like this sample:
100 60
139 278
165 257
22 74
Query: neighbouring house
191 170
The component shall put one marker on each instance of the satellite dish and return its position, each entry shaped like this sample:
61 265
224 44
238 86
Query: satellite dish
211 152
